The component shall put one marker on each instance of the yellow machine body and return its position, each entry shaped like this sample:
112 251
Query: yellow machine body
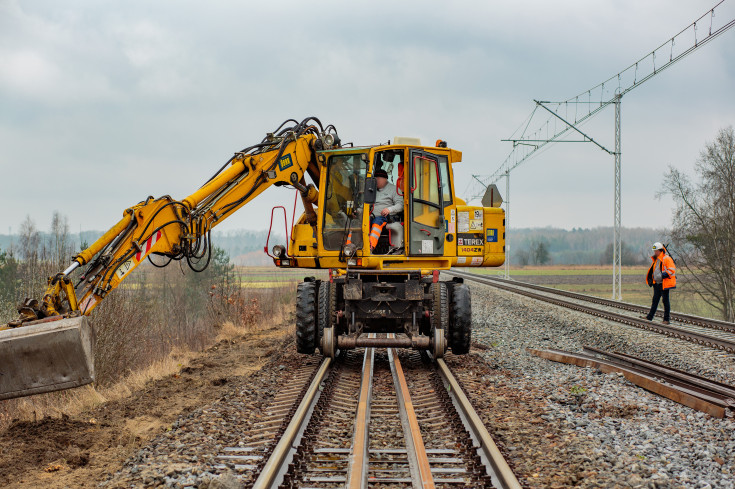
473 236
438 229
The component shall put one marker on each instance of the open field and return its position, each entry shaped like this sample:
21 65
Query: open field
586 279
596 280
271 277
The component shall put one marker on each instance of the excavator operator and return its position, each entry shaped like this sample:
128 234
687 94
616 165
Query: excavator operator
387 203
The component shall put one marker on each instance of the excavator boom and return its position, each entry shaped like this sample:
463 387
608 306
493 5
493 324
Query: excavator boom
50 345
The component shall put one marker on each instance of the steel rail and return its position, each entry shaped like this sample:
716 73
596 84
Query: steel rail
360 455
673 331
505 477
672 375
359 460
276 461
414 440
690 394
677 316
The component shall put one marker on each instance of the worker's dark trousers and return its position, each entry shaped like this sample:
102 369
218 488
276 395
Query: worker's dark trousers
658 293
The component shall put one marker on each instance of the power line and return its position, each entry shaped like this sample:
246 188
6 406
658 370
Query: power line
528 145
688 39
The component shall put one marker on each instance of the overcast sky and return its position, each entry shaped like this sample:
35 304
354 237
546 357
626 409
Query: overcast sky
105 103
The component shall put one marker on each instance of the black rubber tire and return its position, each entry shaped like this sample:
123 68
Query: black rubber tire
327 299
439 306
439 319
306 317
460 319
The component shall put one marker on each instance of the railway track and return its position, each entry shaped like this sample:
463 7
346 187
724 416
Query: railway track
700 393
709 333
371 419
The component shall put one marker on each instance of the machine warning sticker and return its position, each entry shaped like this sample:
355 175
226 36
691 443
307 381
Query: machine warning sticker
492 235
477 260
427 246
461 260
146 248
478 215
469 239
463 222
476 225
451 216
124 269
285 162
90 301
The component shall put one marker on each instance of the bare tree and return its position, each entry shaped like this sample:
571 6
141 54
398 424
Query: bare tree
29 242
704 222
59 245
540 252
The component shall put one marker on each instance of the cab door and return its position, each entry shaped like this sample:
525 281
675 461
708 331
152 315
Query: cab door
426 205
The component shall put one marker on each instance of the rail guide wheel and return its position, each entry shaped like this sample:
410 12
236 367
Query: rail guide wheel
328 344
438 344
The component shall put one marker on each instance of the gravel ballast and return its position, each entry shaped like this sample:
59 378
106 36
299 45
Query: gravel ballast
631 437
558 425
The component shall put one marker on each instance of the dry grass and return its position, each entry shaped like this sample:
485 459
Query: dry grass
75 401
232 316
230 331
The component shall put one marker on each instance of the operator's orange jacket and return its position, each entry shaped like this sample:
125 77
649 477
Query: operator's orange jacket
666 263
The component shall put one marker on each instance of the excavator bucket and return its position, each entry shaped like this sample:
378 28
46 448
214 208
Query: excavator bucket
46 357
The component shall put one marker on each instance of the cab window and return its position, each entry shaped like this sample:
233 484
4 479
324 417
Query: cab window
426 231
446 185
343 200
392 162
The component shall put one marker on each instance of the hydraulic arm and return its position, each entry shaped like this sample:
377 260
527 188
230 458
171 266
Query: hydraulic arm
180 230
49 347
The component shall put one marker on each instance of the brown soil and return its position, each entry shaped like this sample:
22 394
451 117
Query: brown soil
81 450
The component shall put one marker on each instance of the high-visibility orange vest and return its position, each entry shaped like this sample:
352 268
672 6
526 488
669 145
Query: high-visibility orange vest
666 264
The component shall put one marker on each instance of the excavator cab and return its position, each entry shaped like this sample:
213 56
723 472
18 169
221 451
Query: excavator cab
392 287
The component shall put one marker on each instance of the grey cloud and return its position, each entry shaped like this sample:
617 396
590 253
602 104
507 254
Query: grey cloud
115 102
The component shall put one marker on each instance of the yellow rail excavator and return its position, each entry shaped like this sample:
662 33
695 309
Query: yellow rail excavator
384 283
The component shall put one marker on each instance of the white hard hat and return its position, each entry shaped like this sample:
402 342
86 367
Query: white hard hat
658 246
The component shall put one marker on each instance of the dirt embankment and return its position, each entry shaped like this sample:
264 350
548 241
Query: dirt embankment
81 450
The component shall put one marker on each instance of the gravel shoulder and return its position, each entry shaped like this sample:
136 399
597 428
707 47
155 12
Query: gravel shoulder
564 426
558 425
82 450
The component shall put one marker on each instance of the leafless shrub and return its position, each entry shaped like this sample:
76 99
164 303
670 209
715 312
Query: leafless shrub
155 314
704 222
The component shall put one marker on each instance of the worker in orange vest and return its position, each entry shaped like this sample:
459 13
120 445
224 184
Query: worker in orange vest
662 277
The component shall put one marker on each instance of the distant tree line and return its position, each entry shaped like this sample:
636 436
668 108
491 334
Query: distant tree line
236 243
541 246
536 254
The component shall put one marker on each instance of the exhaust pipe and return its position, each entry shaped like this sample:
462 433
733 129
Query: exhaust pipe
46 356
